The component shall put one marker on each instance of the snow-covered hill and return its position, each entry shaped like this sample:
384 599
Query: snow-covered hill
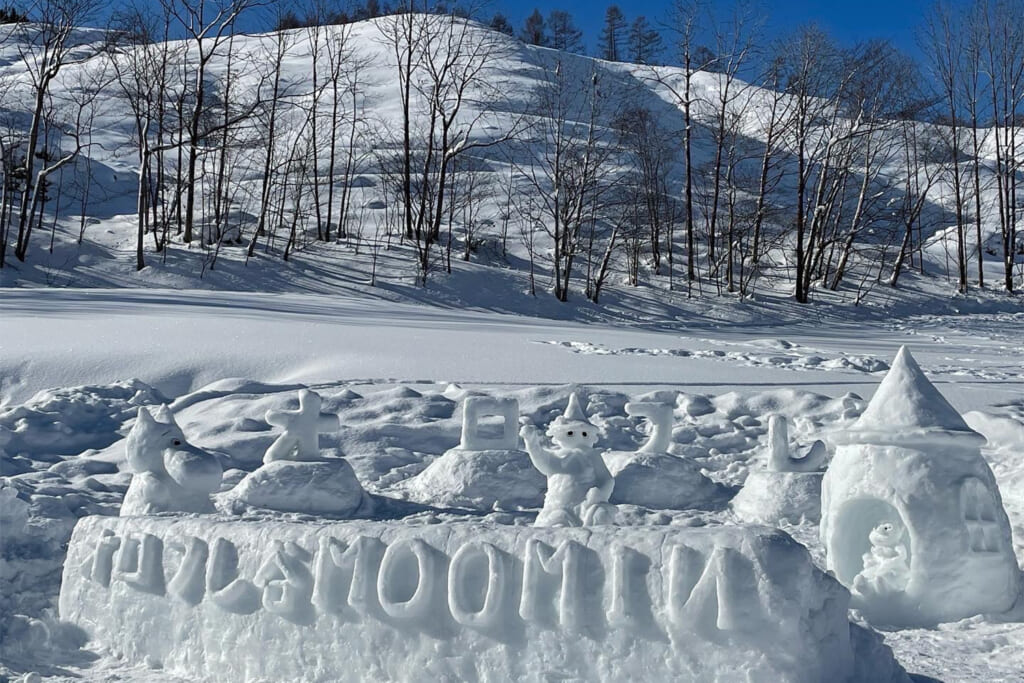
523 105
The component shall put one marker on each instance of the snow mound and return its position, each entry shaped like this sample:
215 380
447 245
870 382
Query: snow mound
328 488
660 481
234 601
479 480
67 421
770 497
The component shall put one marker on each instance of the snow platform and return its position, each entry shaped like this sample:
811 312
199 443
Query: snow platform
213 599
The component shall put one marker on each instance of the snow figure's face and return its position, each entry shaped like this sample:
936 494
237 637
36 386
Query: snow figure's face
573 436
886 534
148 440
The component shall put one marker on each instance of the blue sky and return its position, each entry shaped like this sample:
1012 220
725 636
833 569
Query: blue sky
848 21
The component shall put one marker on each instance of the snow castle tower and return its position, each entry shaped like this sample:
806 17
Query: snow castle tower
912 520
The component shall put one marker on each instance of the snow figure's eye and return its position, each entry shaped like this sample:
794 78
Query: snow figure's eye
583 433
569 433
177 442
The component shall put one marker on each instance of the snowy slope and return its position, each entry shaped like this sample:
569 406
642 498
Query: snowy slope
513 81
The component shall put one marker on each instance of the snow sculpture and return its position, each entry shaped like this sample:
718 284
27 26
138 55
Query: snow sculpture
351 601
302 427
660 417
654 478
886 569
788 489
579 483
475 409
483 472
779 458
295 476
169 474
912 520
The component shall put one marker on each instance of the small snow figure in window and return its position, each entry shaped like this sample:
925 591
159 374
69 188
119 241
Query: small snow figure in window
579 483
886 566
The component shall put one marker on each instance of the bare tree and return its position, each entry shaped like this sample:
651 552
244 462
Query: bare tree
46 46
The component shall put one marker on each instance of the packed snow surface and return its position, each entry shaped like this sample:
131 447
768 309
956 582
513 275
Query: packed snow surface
396 376
236 600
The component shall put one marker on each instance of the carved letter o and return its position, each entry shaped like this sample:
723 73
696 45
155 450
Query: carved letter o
390 578
459 584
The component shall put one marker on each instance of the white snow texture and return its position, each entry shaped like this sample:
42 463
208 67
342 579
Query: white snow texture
359 601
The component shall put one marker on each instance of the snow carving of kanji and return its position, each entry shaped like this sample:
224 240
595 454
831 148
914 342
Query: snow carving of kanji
487 470
787 488
302 428
169 474
296 476
579 483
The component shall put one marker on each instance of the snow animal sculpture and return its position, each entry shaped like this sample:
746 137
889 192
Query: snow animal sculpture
485 471
169 474
912 520
579 483
653 477
788 489
302 427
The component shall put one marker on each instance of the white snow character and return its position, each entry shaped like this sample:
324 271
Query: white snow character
302 427
579 483
886 566
170 474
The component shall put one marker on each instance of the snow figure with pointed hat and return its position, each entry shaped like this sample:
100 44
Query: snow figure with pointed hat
169 473
579 483
912 520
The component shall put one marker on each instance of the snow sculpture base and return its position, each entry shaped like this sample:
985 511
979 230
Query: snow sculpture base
661 481
230 601
479 479
770 497
326 488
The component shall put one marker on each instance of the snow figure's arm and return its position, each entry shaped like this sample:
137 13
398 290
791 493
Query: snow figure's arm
604 482
546 463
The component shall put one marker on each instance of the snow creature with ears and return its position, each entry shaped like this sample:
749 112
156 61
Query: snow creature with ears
170 474
579 483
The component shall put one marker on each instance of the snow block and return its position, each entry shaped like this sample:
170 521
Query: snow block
770 497
475 409
661 481
328 487
479 479
354 601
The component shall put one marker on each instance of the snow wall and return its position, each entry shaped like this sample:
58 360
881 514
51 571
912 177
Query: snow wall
357 601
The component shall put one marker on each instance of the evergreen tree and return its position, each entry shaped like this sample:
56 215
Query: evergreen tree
501 23
644 42
10 15
564 34
534 30
613 34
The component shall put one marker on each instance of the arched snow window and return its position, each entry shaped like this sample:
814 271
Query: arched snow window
978 510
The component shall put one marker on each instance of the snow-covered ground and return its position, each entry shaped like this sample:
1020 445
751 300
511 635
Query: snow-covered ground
76 363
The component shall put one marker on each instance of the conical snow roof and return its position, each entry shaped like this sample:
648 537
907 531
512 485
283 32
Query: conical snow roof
907 408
